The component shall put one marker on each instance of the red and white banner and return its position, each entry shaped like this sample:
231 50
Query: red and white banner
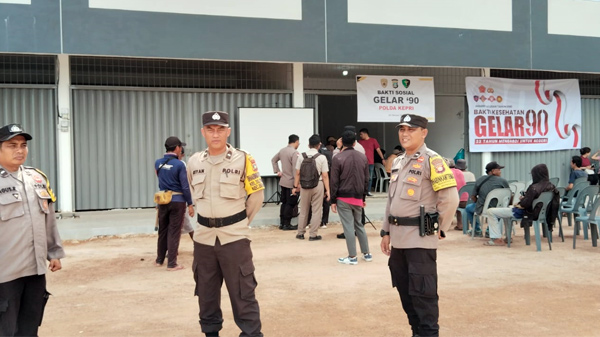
523 115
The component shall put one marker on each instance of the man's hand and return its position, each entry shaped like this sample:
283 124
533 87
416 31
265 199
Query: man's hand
294 191
334 208
191 210
383 161
327 195
279 174
54 265
385 245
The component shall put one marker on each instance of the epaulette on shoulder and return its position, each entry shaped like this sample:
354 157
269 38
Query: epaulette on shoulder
50 192
246 152
432 153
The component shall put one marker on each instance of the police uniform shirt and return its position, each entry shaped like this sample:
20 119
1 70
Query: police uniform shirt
29 235
321 162
219 186
288 156
420 179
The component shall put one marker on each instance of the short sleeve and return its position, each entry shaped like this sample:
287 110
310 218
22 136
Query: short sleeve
441 175
253 182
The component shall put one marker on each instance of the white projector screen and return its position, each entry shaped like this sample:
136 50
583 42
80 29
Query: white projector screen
265 131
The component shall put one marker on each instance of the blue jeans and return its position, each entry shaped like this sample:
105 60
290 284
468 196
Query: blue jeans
371 171
470 211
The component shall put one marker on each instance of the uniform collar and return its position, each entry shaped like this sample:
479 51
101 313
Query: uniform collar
228 153
420 152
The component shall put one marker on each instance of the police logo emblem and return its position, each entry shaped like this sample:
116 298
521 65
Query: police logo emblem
395 83
406 118
420 159
15 128
438 165
410 192
216 116
476 98
384 82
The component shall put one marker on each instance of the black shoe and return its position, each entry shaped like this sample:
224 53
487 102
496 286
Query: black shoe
341 236
290 228
280 226
212 334
314 238
300 236
369 194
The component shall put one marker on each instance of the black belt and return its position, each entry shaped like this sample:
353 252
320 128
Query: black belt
398 221
221 222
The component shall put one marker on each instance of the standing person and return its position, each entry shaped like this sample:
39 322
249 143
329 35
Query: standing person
228 192
172 176
29 237
371 146
188 220
419 178
461 164
460 182
349 178
326 204
312 181
288 157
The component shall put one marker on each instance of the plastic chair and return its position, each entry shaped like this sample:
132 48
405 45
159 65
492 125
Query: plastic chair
502 195
382 177
555 181
567 202
468 188
545 198
583 206
593 222
580 179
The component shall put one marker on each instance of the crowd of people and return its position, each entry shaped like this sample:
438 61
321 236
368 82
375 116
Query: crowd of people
217 194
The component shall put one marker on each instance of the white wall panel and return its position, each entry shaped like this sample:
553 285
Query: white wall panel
574 17
465 14
266 9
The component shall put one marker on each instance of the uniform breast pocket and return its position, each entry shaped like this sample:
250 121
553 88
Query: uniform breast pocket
198 184
230 186
11 206
411 188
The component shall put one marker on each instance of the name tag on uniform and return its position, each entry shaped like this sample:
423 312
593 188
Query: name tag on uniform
394 177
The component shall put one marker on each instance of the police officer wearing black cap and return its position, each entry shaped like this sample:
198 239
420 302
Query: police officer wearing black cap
422 187
28 237
172 176
228 192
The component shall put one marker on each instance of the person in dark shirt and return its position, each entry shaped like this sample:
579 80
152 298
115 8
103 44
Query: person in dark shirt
172 176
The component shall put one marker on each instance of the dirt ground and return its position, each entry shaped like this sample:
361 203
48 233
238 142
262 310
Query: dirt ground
110 287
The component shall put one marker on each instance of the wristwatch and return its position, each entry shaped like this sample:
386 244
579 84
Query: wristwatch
384 233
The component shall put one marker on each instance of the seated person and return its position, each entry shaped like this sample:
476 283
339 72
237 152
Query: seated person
576 173
483 186
398 150
541 183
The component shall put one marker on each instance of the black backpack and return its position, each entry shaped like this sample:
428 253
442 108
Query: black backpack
309 175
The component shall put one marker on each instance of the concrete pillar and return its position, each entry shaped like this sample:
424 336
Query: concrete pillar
65 193
298 85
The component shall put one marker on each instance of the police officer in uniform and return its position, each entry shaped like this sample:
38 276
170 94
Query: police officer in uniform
228 192
420 177
28 237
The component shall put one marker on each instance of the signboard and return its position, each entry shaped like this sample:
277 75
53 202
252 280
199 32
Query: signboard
386 98
523 115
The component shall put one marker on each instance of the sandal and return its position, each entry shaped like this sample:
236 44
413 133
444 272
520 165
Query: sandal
177 267
456 228
492 243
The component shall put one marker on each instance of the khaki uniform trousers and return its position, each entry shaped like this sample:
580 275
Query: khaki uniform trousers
311 198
